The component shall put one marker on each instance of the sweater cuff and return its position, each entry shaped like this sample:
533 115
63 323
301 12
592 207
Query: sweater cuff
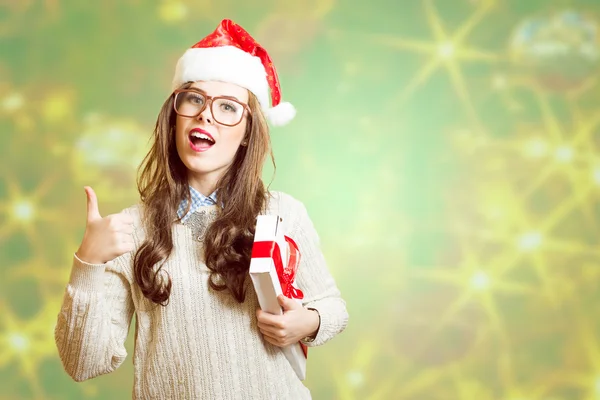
331 323
87 277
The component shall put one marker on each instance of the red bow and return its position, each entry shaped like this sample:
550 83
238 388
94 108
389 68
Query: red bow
286 275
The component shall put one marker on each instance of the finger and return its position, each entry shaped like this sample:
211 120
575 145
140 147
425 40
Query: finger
288 304
122 244
125 218
121 238
117 224
125 247
270 340
120 218
274 341
260 314
93 213
267 318
272 330
127 239
271 336
125 229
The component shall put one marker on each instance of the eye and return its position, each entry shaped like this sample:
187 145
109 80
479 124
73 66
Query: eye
228 106
194 98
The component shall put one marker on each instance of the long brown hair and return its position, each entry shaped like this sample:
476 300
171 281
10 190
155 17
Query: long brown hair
163 183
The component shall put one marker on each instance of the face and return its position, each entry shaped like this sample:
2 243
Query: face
206 147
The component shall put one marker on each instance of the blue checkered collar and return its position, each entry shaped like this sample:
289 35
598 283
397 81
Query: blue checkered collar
198 200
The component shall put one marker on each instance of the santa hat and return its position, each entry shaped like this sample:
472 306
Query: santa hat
230 54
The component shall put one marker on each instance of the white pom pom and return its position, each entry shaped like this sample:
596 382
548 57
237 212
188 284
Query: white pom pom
281 114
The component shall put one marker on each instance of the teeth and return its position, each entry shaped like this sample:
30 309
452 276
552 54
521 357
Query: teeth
202 136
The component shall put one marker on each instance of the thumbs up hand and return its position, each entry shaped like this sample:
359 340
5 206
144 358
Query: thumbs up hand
105 238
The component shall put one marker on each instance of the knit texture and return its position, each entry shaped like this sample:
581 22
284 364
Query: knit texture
203 344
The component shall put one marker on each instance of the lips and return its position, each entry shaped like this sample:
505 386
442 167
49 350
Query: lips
200 140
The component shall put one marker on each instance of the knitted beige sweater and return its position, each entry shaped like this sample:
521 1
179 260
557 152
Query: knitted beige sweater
203 344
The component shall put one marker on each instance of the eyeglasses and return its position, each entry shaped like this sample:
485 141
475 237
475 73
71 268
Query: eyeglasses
225 110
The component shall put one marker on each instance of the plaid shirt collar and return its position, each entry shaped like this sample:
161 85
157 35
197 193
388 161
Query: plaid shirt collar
198 200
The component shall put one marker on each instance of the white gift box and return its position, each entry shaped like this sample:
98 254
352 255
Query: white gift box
266 283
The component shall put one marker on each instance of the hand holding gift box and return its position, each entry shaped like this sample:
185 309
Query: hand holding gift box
273 266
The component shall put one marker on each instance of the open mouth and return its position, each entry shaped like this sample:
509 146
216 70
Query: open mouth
201 141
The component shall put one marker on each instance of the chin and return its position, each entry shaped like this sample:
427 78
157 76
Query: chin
199 167
202 167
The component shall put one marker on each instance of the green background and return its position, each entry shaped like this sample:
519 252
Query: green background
447 152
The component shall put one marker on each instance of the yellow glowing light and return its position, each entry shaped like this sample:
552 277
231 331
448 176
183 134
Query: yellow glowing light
499 82
494 212
597 175
536 148
446 50
59 149
564 154
597 385
355 378
18 342
480 280
13 102
172 11
56 108
23 211
530 241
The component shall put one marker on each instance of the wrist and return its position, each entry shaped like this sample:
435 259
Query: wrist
86 258
314 326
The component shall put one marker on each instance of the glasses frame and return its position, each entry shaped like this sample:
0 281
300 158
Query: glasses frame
210 99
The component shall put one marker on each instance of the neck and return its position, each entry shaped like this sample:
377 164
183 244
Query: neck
205 184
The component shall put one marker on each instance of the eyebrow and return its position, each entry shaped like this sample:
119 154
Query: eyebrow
220 95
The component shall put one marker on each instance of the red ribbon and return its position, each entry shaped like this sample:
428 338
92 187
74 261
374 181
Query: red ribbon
286 275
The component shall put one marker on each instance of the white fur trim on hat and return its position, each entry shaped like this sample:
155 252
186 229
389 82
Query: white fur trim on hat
281 114
225 64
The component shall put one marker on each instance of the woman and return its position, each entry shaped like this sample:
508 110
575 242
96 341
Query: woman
180 259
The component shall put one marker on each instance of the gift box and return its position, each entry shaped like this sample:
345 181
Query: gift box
273 266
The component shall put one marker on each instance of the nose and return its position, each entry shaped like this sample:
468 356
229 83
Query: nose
206 114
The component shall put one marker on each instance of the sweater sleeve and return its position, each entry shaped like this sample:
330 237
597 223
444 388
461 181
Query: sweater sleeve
94 319
315 280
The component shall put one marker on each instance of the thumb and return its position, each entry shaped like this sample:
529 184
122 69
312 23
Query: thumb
286 303
92 205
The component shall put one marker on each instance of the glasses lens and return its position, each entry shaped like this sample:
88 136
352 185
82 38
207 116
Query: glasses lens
189 104
227 112
224 111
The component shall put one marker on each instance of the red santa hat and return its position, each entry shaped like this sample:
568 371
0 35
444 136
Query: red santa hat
230 54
